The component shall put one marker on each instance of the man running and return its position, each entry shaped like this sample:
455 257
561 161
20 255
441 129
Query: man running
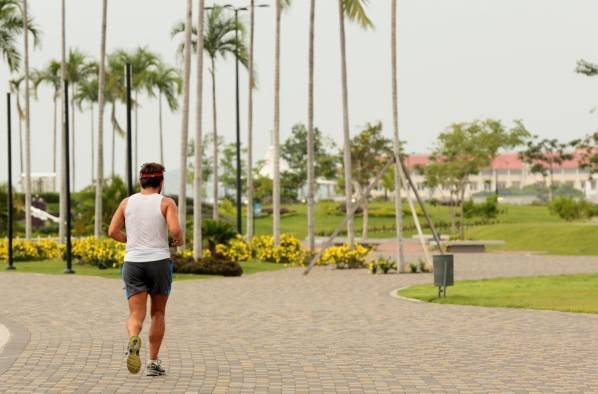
147 217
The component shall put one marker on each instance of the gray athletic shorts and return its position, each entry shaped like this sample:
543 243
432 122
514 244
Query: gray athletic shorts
154 277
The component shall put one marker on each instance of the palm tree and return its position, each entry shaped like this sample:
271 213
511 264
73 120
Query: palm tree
15 88
78 69
50 75
280 4
396 141
167 81
27 126
87 92
249 166
11 26
353 10
185 116
197 179
62 214
310 133
219 39
101 99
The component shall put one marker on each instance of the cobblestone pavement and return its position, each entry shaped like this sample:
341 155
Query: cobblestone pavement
332 331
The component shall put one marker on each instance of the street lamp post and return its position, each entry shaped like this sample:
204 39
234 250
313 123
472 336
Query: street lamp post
10 265
129 139
67 180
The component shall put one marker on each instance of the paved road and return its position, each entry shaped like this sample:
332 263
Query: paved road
333 331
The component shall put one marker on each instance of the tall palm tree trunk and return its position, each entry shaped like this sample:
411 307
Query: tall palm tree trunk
185 118
63 104
161 126
276 161
27 126
400 256
346 135
250 125
54 141
197 181
101 104
21 155
215 213
92 146
113 116
310 133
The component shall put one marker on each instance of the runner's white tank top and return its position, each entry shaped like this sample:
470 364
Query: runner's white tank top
147 233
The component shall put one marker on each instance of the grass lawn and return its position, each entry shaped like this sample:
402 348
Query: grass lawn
566 293
56 267
552 238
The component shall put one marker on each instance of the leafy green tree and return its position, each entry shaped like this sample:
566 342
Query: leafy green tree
228 162
588 148
464 149
370 150
544 156
294 152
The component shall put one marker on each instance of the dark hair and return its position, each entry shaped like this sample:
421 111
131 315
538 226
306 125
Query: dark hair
156 169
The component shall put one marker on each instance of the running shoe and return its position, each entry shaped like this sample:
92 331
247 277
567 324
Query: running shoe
133 360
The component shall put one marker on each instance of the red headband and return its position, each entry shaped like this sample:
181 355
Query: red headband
152 175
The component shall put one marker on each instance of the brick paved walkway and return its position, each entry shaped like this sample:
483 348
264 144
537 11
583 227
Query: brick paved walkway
332 331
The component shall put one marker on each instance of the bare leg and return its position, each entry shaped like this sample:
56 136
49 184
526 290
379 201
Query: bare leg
158 324
137 309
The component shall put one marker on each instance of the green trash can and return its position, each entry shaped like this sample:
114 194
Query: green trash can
443 272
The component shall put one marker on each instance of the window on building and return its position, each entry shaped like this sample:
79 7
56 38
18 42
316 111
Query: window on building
421 186
473 186
502 185
487 186
516 185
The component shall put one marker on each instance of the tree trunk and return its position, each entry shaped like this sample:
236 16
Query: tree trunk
21 155
161 126
113 139
462 210
366 217
197 181
27 126
276 161
54 136
215 137
396 142
63 104
92 146
101 105
346 134
185 118
311 181
452 214
249 223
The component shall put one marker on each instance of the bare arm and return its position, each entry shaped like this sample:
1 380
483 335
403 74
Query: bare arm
172 220
115 231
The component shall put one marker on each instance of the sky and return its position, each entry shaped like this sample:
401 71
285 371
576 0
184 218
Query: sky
459 60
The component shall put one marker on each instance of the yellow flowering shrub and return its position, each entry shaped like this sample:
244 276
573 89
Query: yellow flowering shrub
344 256
289 251
24 250
237 249
103 252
